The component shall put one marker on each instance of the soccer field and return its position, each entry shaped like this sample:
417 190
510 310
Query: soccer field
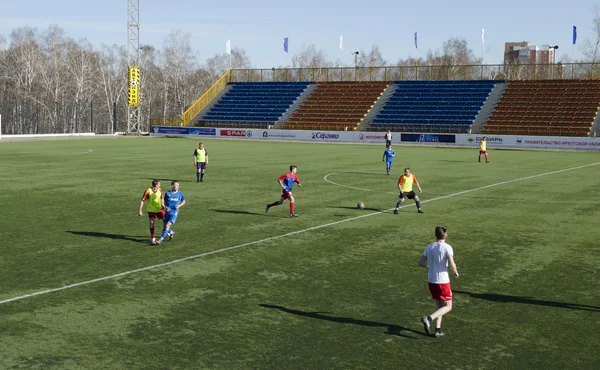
336 287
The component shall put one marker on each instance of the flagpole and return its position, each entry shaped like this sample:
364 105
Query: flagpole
482 50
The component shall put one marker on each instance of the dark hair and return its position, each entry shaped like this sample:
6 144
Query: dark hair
200 144
484 138
293 166
155 182
174 181
406 168
441 232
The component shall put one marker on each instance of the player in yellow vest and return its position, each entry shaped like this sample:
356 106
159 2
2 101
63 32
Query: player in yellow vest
200 161
405 184
483 149
154 199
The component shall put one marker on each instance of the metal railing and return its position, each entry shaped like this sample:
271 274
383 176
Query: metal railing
209 95
558 71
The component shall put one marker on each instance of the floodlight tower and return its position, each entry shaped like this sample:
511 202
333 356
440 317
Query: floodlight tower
133 63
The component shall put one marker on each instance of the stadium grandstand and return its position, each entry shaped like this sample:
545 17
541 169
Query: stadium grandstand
543 107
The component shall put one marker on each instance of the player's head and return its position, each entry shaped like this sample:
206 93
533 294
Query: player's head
441 232
389 146
293 168
156 183
483 138
407 171
201 145
175 185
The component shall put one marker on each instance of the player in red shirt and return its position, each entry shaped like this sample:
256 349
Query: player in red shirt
286 181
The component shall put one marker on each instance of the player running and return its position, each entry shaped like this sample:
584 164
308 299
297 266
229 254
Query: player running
172 201
388 157
405 184
200 161
286 181
154 199
483 149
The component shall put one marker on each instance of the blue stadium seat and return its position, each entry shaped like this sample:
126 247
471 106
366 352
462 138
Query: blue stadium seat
253 104
433 106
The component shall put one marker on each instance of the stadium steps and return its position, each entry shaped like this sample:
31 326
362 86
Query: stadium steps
362 126
296 105
488 107
595 131
196 120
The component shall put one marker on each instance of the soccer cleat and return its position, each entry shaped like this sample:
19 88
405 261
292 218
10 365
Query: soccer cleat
171 235
396 211
438 333
293 215
153 241
419 211
267 208
426 324
158 241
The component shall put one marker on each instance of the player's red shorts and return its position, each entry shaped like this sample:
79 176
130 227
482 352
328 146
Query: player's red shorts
286 195
483 152
156 215
441 291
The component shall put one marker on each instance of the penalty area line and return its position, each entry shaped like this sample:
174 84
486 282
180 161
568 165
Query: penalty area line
130 272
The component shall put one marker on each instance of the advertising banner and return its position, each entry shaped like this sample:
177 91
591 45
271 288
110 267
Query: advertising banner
203 131
428 138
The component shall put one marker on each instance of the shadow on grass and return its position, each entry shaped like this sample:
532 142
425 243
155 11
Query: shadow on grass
391 328
527 300
95 234
357 209
237 212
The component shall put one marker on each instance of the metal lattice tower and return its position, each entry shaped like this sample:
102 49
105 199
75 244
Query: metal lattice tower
133 58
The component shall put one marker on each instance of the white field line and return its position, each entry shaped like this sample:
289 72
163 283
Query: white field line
87 282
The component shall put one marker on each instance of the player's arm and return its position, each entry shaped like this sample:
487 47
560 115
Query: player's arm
400 185
205 157
453 266
423 261
416 182
195 160
297 180
180 204
144 197
383 158
280 180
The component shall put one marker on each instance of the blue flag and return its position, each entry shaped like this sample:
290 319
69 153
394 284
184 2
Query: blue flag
416 41
285 44
574 34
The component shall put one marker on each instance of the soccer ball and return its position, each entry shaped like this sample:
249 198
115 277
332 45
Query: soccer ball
360 205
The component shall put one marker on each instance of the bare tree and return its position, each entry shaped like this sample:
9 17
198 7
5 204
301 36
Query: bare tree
180 62
112 68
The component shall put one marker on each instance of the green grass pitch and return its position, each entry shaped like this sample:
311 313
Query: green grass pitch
344 291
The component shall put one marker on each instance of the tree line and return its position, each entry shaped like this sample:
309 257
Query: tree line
50 83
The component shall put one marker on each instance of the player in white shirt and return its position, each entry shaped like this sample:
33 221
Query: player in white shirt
436 257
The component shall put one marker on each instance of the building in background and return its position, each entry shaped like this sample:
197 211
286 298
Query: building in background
525 53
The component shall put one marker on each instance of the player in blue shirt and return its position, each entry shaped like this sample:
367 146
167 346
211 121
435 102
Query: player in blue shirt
388 157
287 181
172 201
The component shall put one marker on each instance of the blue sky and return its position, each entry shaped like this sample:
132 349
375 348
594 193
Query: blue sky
260 26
